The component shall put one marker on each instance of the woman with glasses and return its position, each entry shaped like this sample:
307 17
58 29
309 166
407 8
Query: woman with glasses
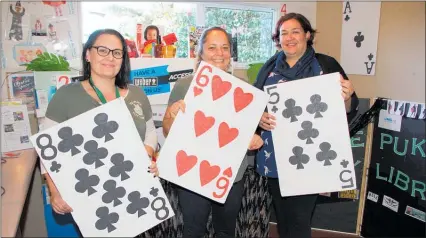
106 69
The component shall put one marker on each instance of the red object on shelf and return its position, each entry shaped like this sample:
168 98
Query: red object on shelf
170 39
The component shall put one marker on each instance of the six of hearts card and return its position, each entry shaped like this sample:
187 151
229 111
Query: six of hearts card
207 143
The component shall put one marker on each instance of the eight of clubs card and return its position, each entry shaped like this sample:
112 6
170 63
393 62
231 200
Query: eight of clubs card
207 143
311 139
99 164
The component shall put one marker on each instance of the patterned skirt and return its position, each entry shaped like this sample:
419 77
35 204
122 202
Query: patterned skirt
252 221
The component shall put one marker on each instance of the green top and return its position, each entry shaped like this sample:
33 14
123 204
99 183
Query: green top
178 93
72 100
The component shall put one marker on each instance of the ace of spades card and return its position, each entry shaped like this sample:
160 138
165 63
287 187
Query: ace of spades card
206 145
311 138
360 32
99 165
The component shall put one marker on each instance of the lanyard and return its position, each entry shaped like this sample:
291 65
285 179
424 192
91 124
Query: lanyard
99 93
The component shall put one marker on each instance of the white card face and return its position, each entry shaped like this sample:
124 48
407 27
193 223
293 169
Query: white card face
311 139
360 32
99 164
206 144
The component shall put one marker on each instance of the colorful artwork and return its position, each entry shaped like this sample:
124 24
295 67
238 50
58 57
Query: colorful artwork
24 53
38 26
56 5
16 27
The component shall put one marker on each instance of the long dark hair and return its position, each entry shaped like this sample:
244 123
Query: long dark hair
203 39
152 27
304 22
122 78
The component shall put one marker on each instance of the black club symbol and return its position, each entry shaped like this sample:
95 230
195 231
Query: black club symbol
316 106
299 158
137 203
154 191
94 154
326 154
308 132
358 39
85 182
121 167
291 110
69 141
104 127
113 193
55 167
106 219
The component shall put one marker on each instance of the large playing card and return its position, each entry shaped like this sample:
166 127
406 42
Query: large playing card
360 31
206 144
99 165
311 139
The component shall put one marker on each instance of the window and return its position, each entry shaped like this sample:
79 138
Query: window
251 26
124 16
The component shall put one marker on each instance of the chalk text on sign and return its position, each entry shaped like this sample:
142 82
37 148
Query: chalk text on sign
355 140
402 181
416 145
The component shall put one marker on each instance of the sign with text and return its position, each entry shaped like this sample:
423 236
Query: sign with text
396 189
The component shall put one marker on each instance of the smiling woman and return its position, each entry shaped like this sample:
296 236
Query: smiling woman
106 69
297 60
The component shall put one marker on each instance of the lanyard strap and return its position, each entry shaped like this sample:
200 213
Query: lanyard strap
99 93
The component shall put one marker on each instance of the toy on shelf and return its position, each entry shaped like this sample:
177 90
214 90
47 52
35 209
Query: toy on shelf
169 50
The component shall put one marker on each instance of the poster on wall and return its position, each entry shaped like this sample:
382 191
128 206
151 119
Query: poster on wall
157 78
15 128
38 26
21 87
17 21
23 53
395 202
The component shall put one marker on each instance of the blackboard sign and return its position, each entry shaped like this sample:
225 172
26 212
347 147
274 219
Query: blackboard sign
339 211
395 202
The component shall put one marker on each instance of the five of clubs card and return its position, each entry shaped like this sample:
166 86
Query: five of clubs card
312 134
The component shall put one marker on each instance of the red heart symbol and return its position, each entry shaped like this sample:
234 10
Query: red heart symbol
202 123
226 134
184 163
197 91
219 87
241 99
208 172
228 172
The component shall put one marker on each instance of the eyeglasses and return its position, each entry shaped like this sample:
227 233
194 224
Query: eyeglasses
104 51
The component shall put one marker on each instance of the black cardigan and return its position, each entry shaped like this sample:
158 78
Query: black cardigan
328 65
